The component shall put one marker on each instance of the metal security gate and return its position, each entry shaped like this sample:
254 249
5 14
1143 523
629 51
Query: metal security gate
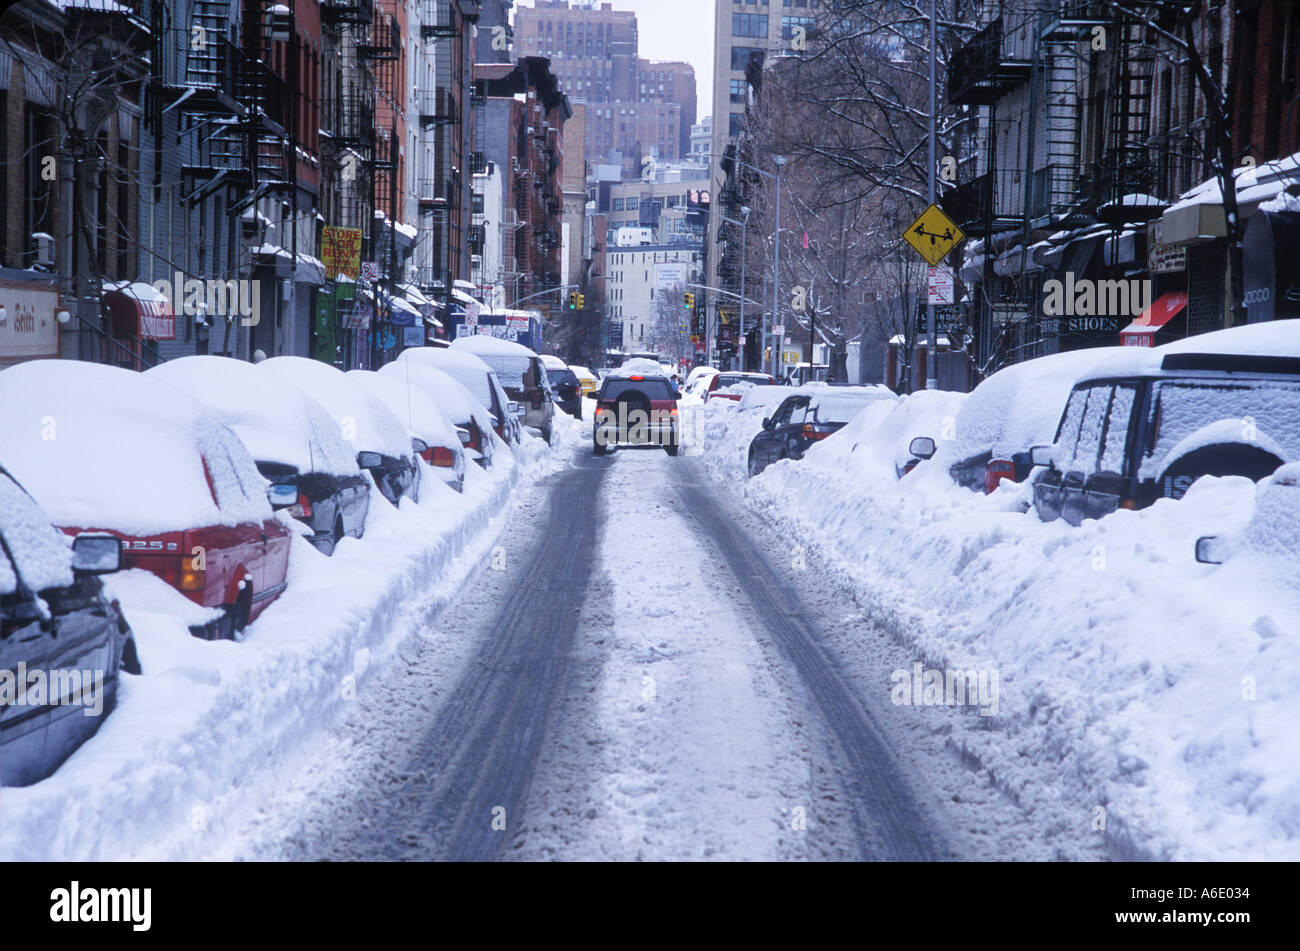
1205 288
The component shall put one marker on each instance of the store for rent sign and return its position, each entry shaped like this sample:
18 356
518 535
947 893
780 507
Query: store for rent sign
29 330
340 252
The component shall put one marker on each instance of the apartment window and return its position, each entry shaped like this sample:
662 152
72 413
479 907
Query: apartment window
738 90
741 56
749 24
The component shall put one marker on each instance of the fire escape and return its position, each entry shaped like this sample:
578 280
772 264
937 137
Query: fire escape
382 58
235 110
348 115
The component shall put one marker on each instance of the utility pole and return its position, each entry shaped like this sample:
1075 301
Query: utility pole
931 361
779 162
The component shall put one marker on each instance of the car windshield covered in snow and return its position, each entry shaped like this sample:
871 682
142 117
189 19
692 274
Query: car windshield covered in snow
32 549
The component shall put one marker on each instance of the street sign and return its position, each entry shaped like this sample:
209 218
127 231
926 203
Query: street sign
778 330
370 271
933 235
939 285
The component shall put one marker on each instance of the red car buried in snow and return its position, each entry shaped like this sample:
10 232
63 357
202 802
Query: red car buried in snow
105 449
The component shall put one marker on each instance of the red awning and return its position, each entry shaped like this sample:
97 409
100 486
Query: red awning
140 311
1141 333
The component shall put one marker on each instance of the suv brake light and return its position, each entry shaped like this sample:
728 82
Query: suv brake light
303 507
995 471
812 432
442 457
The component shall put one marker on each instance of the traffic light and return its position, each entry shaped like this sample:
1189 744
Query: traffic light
690 301
582 301
573 302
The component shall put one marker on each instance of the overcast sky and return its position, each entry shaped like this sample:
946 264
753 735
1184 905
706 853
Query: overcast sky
675 30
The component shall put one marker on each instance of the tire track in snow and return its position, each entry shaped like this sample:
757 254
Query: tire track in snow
484 743
889 822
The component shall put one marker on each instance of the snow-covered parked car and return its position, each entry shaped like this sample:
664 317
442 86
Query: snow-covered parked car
466 413
57 622
434 439
1273 533
104 449
1009 413
1225 403
887 434
383 444
566 388
297 447
479 379
522 374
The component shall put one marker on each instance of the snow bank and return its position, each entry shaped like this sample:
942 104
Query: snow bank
207 731
1135 684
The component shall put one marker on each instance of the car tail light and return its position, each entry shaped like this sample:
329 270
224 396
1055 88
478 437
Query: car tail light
674 410
191 578
996 471
303 507
443 457
1130 504
812 432
475 439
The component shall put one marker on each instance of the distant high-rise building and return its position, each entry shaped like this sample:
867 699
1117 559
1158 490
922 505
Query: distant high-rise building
637 108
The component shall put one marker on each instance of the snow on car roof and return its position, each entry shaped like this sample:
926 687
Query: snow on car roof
1020 405
1277 338
637 366
39 550
552 362
276 420
363 419
483 345
412 405
466 368
103 447
451 396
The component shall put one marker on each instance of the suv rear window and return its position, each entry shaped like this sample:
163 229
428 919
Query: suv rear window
1269 410
651 389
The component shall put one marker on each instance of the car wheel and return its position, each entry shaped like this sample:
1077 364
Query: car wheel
598 448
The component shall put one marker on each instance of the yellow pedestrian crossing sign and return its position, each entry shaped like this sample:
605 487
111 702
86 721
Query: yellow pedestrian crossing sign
933 235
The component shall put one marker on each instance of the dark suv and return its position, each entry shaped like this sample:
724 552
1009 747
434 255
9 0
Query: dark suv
637 410
1125 441
62 639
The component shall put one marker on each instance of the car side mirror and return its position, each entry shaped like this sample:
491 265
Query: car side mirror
96 554
418 446
922 447
1211 550
591 395
512 408
282 495
767 423
1042 456
369 460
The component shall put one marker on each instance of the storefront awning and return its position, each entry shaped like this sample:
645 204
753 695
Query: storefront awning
1142 332
140 310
